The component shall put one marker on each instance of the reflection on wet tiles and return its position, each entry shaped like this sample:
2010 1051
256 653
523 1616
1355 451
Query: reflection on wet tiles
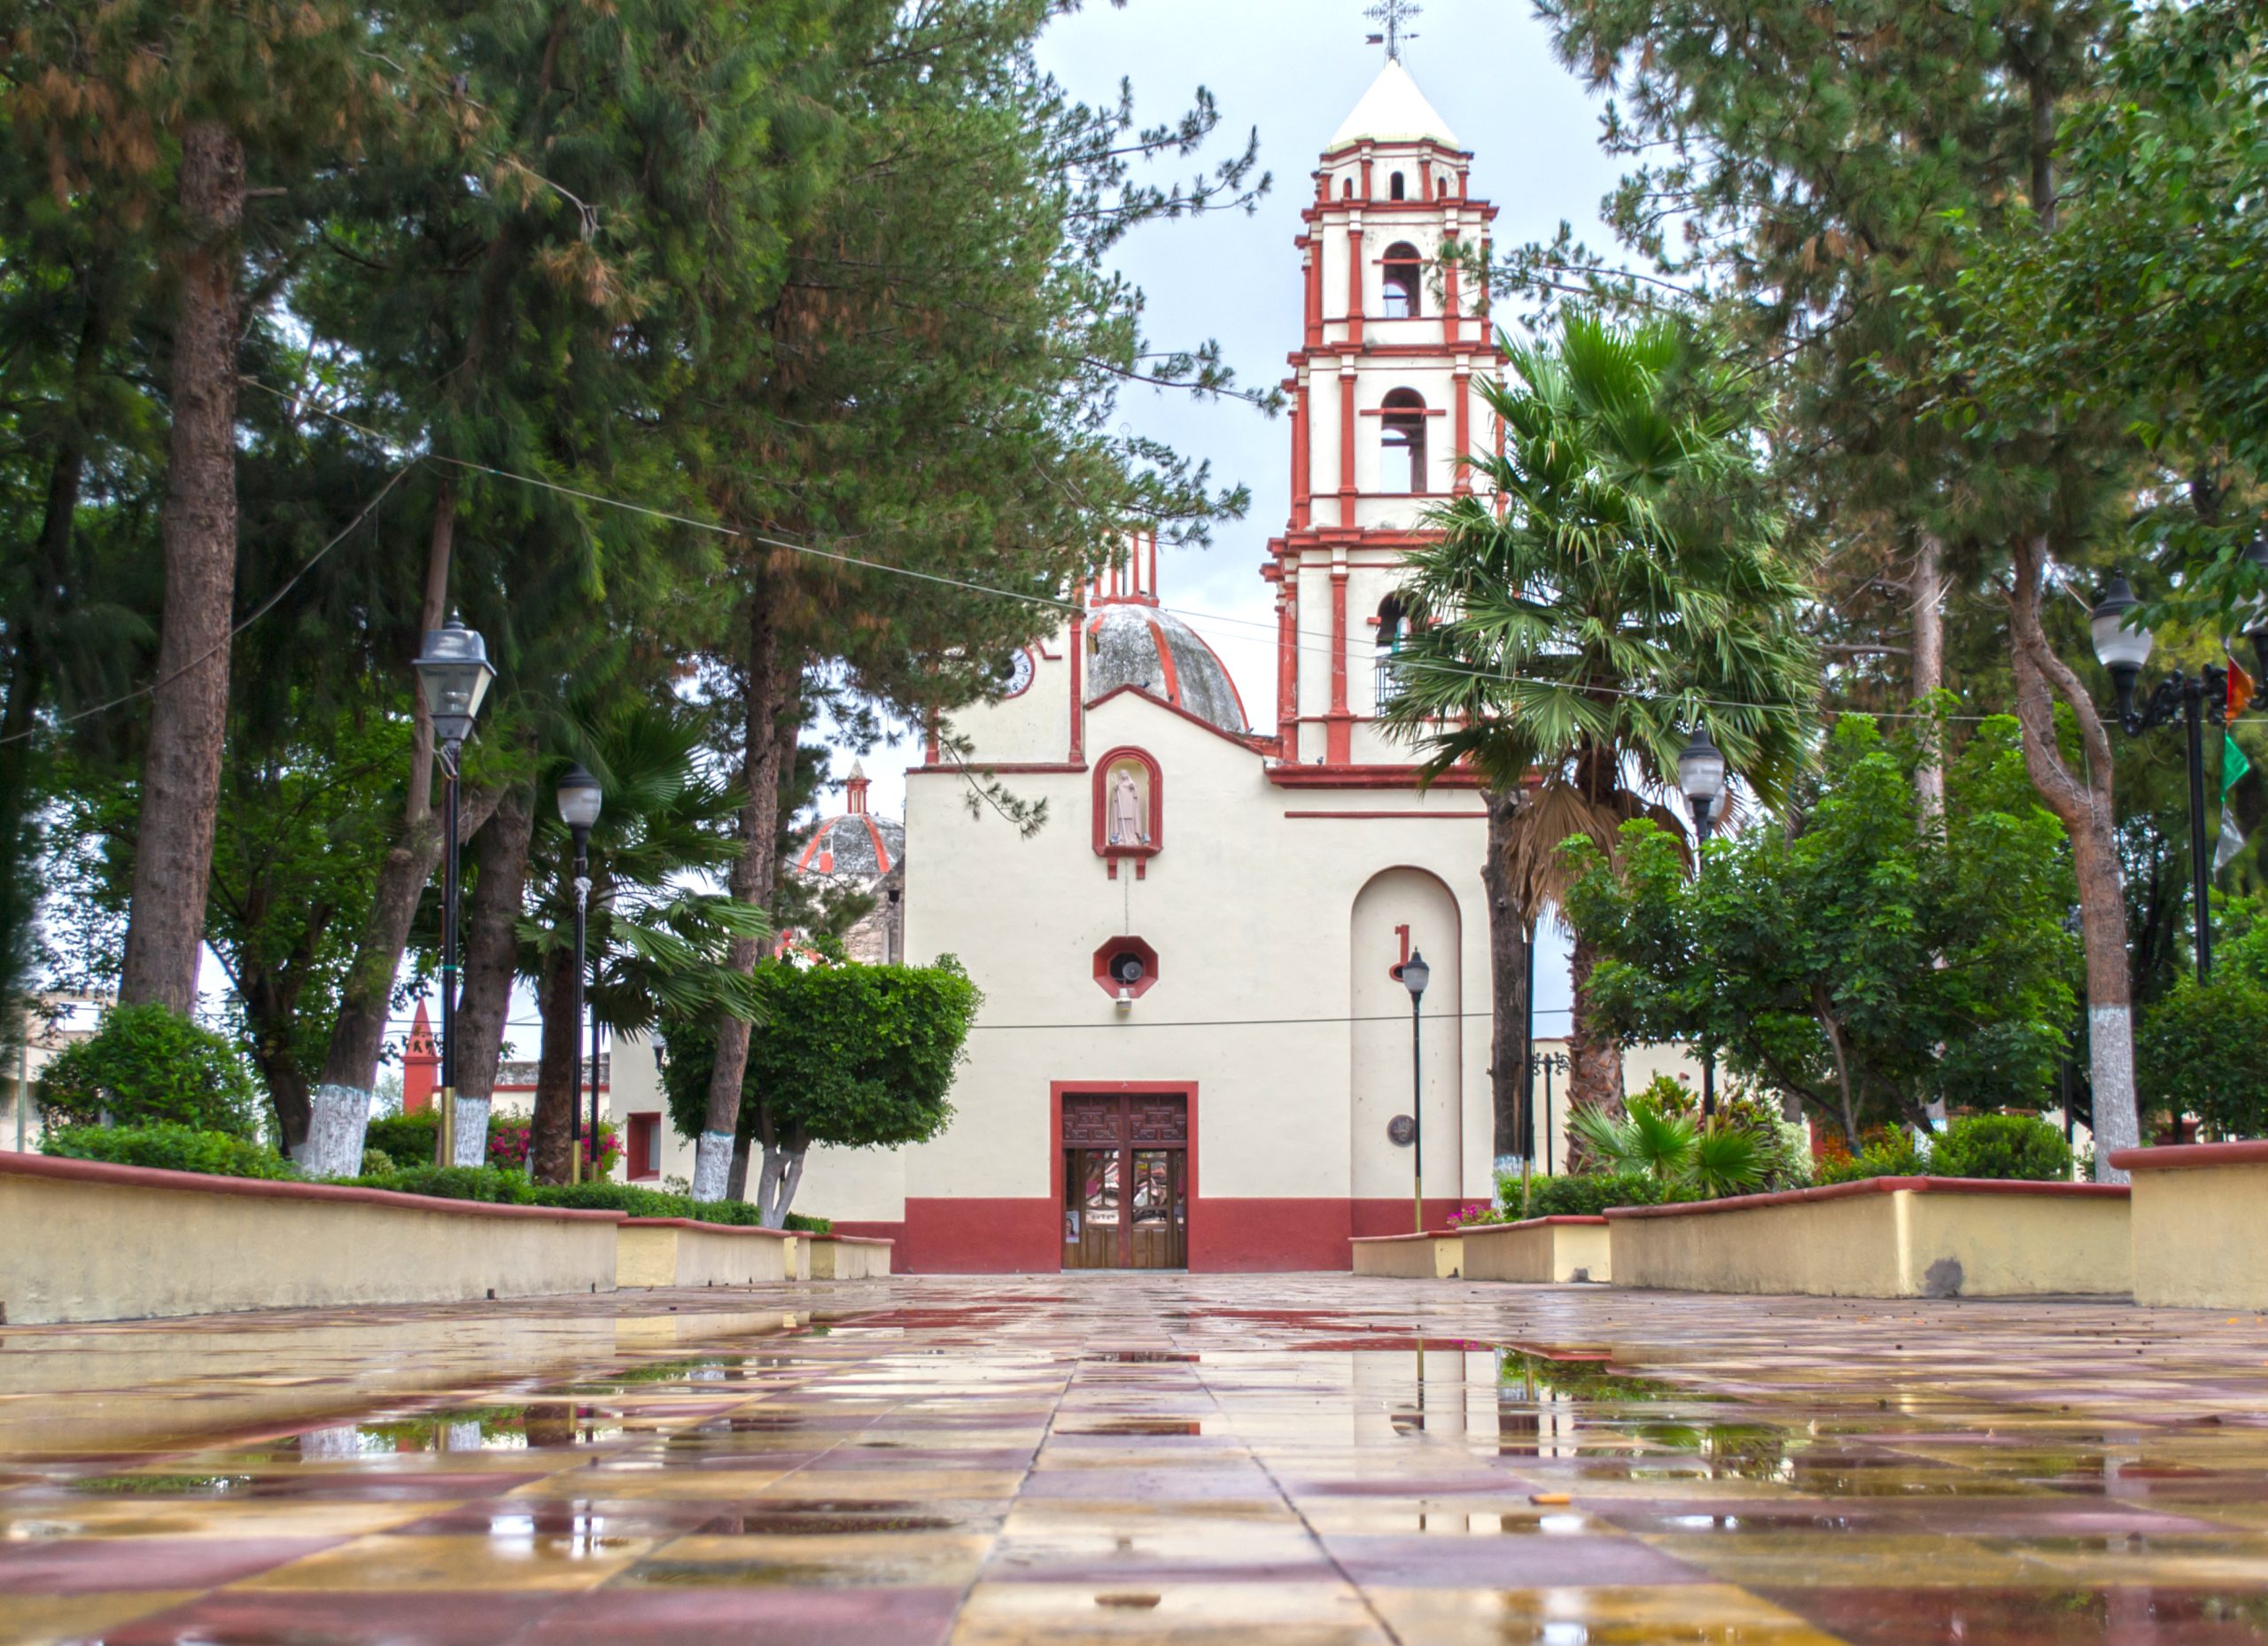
1179 1458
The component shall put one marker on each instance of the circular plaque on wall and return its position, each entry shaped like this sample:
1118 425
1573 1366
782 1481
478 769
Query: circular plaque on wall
1400 1131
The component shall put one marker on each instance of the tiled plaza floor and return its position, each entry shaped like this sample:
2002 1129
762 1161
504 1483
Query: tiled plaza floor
1231 1459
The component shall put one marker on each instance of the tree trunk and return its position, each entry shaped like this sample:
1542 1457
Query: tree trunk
550 1150
2084 806
753 873
1928 590
492 939
366 993
1509 953
180 772
1594 1057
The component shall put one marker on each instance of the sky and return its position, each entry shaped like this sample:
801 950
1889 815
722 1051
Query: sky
1290 70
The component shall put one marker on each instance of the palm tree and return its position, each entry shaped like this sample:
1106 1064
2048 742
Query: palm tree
656 935
1626 583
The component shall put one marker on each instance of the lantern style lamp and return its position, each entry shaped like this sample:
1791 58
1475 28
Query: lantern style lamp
2256 629
453 674
2121 646
1701 778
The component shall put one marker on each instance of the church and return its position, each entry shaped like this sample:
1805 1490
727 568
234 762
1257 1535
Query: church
1196 1049
1196 1045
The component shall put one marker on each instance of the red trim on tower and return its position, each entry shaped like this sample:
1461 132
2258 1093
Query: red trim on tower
1339 639
1347 450
1464 485
1344 776
1078 663
1354 272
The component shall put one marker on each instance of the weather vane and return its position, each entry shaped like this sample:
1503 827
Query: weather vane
1393 14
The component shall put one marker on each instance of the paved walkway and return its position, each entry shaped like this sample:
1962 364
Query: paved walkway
1234 1459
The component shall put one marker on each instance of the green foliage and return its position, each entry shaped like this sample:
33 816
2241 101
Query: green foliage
1636 587
2022 1147
488 1183
2199 1052
145 1066
1896 1153
1583 1194
406 1138
169 1147
856 1056
643 1202
1878 959
1676 1150
376 1163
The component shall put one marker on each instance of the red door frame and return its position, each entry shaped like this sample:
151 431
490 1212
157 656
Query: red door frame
1057 1090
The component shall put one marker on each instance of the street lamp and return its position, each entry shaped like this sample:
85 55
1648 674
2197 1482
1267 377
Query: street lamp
1701 777
2123 645
580 799
1415 975
1547 1063
2255 628
453 675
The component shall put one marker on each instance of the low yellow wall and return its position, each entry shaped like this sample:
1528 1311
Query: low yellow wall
1410 1256
1540 1250
1893 1236
2201 1225
86 1240
846 1257
676 1251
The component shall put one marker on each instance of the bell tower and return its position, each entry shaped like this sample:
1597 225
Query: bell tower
1385 406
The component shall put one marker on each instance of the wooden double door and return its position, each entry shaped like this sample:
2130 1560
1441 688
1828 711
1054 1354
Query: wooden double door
1125 1181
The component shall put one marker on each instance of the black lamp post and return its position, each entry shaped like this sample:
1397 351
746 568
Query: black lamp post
1548 1063
2124 646
453 674
579 798
1415 975
1701 778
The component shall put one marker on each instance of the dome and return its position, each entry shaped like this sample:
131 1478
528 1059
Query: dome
855 845
1393 111
1135 643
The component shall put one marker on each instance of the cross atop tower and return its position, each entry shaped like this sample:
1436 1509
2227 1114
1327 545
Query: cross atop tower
1393 14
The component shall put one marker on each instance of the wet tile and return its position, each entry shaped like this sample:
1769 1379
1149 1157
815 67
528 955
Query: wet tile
394 1560
92 1565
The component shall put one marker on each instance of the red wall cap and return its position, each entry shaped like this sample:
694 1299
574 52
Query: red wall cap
202 1183
837 1239
1533 1223
1431 1234
2174 1156
1882 1185
695 1222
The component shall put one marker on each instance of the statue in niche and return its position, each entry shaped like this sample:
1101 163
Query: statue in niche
1130 820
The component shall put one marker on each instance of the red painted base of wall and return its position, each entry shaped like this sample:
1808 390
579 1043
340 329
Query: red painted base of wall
1226 1236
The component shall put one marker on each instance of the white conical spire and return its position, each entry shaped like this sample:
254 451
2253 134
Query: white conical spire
1394 111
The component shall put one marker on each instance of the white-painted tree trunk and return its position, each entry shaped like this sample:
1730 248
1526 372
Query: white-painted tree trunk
2111 1056
712 1165
338 1120
472 1131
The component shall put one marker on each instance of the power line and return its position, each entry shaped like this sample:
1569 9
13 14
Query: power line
258 612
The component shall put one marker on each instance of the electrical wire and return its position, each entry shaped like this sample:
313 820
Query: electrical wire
256 613
1195 617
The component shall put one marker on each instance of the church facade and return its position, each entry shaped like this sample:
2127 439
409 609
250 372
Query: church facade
1196 1047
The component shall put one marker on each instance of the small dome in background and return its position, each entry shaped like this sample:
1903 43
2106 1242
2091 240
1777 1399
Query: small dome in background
857 845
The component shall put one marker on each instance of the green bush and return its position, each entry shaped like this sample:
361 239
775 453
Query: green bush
641 1202
1894 1153
147 1066
2200 1052
2013 1146
377 1161
451 1182
1584 1194
403 1137
170 1148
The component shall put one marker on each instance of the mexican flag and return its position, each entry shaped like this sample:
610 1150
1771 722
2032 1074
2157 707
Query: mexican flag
2234 768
